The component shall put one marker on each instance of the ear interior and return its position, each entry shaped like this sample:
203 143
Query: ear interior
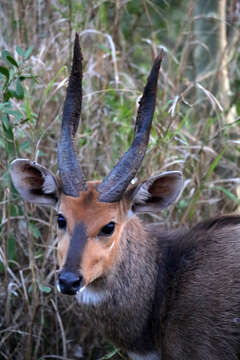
158 192
34 182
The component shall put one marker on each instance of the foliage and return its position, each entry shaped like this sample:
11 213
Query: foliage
119 40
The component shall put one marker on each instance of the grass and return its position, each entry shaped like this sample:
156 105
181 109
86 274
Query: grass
190 133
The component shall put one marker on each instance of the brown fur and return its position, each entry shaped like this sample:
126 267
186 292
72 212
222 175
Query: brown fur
174 293
96 259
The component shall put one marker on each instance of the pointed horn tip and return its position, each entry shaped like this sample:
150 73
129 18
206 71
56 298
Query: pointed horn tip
76 40
76 68
160 57
77 53
161 54
153 76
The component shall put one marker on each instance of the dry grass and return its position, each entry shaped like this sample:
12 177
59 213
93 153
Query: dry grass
190 133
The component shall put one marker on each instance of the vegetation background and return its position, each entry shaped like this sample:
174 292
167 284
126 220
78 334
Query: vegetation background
195 129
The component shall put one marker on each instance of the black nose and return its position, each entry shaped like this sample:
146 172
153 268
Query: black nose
69 282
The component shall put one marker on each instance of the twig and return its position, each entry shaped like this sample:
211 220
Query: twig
61 328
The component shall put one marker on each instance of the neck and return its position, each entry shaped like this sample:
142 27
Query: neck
125 296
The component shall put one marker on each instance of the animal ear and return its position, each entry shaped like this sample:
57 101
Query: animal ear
157 192
34 182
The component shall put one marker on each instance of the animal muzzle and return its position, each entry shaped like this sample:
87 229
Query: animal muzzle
70 279
69 282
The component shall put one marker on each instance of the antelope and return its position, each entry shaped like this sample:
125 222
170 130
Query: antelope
155 294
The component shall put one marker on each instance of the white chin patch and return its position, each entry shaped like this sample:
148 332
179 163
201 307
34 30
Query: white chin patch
82 288
89 296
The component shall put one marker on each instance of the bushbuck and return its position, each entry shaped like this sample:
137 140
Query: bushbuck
155 294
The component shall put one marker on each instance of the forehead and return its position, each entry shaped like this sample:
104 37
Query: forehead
87 209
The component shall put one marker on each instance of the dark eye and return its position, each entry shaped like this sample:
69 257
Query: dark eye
108 229
61 221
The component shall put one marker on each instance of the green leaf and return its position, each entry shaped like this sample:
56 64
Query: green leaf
12 61
228 193
2 144
28 108
110 355
34 230
18 115
4 106
5 121
28 76
19 90
44 289
214 164
20 51
5 178
4 71
9 137
5 53
7 56
28 52
10 93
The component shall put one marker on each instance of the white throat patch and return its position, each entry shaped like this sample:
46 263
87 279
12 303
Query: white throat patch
149 356
89 296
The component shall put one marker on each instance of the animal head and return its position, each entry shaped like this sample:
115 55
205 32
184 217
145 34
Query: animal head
92 215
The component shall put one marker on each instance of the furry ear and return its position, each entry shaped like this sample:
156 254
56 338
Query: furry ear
34 182
157 193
